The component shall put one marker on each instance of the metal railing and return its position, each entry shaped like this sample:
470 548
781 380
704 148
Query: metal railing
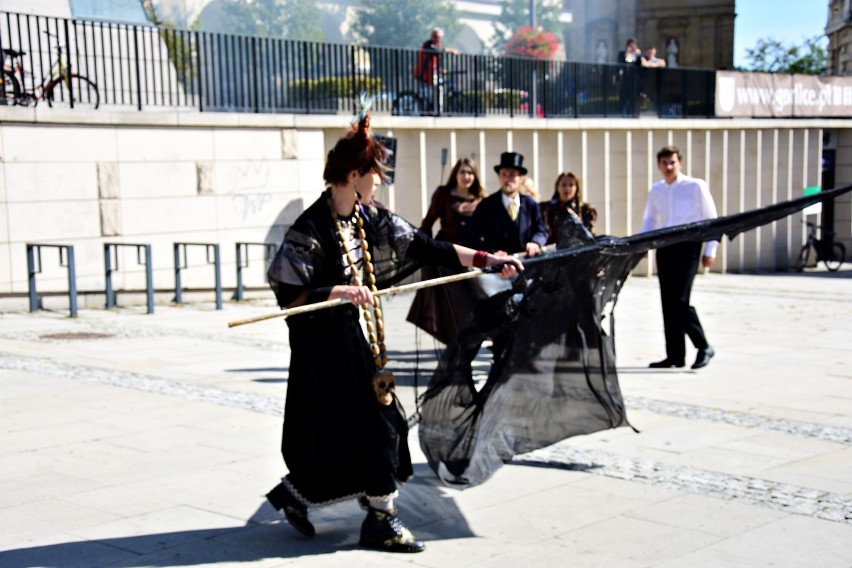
143 258
66 259
147 66
182 263
242 261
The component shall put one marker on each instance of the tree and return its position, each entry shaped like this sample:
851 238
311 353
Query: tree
515 14
290 19
774 56
404 23
302 20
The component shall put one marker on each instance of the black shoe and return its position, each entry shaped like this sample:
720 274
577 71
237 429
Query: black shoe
296 512
666 363
383 530
703 357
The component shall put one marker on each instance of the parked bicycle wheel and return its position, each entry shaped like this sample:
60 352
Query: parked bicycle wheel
836 258
10 90
803 257
407 103
85 93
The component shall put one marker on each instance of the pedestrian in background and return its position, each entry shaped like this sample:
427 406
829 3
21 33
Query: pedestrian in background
507 220
678 199
567 201
442 310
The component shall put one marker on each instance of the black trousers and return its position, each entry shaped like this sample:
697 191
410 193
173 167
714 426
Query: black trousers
676 268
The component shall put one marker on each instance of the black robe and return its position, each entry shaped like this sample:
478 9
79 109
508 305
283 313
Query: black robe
555 376
338 441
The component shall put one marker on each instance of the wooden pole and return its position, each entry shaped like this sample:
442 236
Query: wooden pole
386 292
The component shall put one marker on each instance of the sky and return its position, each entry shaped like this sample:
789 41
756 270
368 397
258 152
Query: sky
790 21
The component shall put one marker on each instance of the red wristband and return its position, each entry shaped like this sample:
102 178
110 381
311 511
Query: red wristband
480 257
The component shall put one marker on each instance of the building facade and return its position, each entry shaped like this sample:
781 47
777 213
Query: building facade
699 33
839 32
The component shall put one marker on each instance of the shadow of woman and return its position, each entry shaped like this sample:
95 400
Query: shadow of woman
429 511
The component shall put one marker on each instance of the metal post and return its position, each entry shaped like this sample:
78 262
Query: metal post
533 86
138 75
254 66
575 89
31 271
243 262
218 268
216 262
306 91
201 47
238 293
68 262
149 279
72 280
110 295
178 292
110 267
68 66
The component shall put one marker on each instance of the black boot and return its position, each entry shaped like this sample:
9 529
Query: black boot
384 531
296 512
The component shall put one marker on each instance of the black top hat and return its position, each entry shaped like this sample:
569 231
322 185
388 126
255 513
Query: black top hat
511 160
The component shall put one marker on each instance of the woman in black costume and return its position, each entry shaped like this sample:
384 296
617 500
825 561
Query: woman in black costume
442 311
345 433
567 201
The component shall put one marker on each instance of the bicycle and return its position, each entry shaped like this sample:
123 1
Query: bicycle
831 253
59 85
416 103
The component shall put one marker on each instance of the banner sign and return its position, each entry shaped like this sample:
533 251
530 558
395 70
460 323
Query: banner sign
782 95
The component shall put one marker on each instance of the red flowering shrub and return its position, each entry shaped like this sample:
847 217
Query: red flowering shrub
526 42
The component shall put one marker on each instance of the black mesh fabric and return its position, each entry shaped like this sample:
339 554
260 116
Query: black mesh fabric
553 374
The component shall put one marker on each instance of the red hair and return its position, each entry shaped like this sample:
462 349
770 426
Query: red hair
357 151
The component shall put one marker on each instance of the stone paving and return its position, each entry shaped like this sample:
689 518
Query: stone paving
149 440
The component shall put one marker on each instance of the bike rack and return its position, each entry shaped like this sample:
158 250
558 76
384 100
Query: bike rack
269 252
214 248
111 265
66 258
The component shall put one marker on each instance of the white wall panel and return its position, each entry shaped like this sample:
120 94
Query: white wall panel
258 177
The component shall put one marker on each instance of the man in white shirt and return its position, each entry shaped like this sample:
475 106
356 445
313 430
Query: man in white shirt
675 200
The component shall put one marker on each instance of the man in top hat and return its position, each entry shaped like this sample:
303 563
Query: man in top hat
507 220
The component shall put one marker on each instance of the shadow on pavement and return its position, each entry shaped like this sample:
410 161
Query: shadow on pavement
424 507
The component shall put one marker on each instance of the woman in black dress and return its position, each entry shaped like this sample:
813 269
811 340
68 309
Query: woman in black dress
442 311
345 433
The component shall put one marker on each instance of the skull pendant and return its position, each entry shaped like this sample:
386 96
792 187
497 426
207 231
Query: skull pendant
384 386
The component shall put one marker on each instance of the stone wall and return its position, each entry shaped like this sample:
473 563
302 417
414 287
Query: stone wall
86 178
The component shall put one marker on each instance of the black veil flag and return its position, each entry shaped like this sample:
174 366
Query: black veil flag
554 372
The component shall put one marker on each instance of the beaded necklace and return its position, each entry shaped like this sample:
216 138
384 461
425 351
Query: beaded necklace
383 380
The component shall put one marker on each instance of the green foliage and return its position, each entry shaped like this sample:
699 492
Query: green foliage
404 23
333 87
504 98
774 56
289 19
302 20
179 49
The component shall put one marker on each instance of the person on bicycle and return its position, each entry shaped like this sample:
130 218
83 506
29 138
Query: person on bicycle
428 66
